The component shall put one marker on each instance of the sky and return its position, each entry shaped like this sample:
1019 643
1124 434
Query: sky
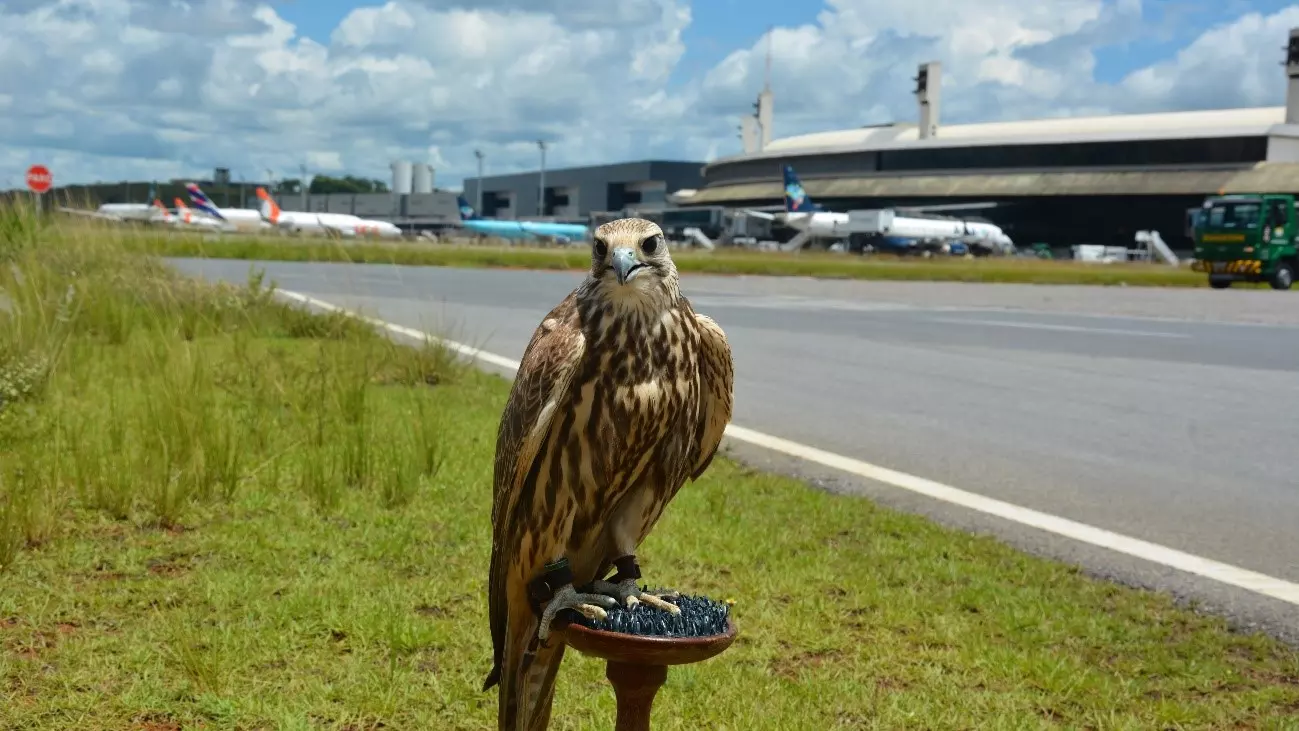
106 90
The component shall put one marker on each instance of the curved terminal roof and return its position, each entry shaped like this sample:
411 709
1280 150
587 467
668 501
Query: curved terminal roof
1270 177
1166 125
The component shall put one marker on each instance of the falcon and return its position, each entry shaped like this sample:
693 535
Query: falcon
623 393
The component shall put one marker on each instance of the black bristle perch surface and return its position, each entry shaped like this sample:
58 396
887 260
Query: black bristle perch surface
699 617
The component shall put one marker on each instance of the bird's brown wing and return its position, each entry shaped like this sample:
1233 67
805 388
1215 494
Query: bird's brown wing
717 375
543 378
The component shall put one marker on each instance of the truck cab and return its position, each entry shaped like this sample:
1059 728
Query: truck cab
1246 238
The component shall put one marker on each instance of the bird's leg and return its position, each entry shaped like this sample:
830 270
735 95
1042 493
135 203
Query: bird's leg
553 591
622 586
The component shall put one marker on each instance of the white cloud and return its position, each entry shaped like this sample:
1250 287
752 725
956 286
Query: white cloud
117 89
1198 76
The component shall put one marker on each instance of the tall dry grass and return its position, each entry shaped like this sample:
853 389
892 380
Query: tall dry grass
130 393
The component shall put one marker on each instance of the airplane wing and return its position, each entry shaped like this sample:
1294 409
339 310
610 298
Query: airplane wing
950 207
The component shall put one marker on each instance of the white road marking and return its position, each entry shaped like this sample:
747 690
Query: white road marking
1270 586
1062 328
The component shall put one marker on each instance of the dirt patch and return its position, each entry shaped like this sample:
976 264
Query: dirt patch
33 646
449 608
890 685
427 662
791 664
172 565
154 722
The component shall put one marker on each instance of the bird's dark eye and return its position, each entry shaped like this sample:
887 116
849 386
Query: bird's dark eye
650 245
601 248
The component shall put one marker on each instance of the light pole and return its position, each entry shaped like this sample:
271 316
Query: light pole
541 185
478 189
303 186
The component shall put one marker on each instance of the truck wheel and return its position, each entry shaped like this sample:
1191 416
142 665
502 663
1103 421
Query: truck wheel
1283 277
1219 282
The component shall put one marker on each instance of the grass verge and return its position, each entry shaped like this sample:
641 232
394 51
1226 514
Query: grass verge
218 511
723 261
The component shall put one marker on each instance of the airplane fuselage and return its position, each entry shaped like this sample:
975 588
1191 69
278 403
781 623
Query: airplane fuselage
528 229
137 211
826 224
342 224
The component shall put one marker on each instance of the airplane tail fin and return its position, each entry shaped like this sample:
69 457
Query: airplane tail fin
166 214
202 202
467 212
186 214
269 209
796 199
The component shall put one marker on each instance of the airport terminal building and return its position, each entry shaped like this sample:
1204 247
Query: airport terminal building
1061 181
573 194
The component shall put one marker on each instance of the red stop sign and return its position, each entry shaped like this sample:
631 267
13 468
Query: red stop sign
39 178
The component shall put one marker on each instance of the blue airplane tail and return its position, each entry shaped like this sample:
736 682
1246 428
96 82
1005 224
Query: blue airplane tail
796 199
467 212
202 202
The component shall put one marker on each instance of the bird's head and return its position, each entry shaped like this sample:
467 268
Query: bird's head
630 262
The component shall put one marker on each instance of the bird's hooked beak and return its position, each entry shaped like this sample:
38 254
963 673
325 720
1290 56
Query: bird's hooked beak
625 264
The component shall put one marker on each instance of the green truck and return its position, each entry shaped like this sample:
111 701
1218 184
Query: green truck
1247 238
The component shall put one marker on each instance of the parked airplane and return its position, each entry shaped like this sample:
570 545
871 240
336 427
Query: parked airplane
232 218
115 212
187 217
901 234
162 215
154 212
341 224
120 211
545 230
127 211
803 215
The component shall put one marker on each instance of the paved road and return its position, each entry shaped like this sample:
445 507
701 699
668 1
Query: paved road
1168 418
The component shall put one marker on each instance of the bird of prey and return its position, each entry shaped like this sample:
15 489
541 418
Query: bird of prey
623 393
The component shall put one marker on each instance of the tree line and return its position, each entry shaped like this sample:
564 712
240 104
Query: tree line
325 184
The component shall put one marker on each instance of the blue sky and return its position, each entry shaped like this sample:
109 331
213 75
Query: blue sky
117 89
1172 25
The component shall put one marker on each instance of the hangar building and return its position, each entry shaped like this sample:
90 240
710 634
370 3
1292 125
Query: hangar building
573 194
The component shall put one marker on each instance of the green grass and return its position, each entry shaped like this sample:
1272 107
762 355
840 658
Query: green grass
219 511
722 261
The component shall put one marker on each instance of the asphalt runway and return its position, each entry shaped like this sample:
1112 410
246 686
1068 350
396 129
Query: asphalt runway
1158 414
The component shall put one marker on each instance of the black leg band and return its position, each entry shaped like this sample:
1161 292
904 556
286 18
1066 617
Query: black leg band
627 569
553 577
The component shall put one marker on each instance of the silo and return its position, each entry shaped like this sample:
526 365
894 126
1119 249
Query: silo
401 175
423 178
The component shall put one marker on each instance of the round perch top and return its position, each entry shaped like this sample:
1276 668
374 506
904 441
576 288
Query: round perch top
650 636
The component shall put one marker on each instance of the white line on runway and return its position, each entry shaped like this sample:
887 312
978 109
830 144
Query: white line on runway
1281 589
1063 328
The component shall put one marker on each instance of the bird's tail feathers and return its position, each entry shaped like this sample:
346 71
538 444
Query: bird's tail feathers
527 675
